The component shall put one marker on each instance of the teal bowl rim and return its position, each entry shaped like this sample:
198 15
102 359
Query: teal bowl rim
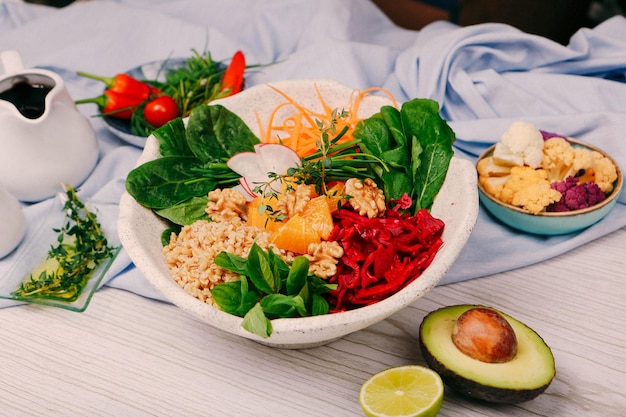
610 200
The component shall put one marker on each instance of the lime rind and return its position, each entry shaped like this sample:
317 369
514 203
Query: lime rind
403 391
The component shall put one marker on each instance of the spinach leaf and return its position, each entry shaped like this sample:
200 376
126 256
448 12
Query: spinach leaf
186 212
167 181
167 234
172 139
415 143
422 120
394 122
191 163
214 133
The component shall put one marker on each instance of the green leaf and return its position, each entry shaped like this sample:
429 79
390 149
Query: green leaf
214 133
280 270
320 305
283 306
167 181
259 270
172 139
255 322
231 262
298 273
234 297
186 212
392 118
423 122
373 135
227 296
167 233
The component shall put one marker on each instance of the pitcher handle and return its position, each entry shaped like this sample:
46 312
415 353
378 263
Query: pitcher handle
11 61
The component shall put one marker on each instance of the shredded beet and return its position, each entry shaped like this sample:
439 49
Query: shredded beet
381 255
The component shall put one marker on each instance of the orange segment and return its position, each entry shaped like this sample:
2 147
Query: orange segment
261 220
318 214
295 235
335 195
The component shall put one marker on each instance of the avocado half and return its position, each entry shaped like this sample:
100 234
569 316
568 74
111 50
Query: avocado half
521 379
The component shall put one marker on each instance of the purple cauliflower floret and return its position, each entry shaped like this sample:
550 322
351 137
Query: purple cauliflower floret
548 135
575 196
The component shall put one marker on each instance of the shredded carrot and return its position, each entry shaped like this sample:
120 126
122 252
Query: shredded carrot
300 130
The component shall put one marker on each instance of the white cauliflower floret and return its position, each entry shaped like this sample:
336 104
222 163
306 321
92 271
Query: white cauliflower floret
492 176
604 172
582 165
521 144
558 158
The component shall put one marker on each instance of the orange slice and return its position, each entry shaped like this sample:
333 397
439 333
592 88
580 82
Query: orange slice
318 214
261 220
295 235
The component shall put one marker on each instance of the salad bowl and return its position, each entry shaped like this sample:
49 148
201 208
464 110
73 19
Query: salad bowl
456 204
552 223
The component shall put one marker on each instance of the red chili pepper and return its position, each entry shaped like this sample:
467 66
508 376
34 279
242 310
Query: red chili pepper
114 104
232 80
123 84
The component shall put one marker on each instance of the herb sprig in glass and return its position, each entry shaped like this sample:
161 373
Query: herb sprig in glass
81 246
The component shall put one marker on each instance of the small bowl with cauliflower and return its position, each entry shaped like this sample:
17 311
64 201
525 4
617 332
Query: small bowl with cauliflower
546 184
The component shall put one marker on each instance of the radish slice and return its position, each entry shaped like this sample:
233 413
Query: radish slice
276 157
245 189
247 164
254 167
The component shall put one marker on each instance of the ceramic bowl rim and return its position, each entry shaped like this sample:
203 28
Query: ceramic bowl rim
343 323
617 187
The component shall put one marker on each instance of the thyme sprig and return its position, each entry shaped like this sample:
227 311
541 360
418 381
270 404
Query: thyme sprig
332 162
81 247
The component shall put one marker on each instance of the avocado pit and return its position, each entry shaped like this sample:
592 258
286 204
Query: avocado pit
485 335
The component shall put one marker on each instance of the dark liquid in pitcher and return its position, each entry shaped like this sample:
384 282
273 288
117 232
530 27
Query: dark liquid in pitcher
30 99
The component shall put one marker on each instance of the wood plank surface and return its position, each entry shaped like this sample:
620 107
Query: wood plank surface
131 356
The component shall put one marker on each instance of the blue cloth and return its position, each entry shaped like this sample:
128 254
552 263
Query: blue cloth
484 76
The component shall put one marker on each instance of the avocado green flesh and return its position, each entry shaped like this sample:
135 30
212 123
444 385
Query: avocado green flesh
527 375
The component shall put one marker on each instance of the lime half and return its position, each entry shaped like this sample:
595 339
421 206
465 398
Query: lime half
402 391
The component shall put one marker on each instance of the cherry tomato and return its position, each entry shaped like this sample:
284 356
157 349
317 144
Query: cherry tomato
160 111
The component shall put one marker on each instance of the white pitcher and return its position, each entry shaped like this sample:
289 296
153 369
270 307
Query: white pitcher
44 140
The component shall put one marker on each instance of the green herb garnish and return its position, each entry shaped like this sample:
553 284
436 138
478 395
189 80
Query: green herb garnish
81 247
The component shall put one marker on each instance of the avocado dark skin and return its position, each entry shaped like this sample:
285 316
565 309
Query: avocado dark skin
438 324
476 390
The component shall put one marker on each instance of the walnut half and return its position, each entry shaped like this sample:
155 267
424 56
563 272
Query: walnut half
226 205
323 258
365 197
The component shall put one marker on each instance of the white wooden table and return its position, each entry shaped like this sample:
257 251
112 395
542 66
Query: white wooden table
132 356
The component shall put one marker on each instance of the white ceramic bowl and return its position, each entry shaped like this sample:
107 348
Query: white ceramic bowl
551 223
456 204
